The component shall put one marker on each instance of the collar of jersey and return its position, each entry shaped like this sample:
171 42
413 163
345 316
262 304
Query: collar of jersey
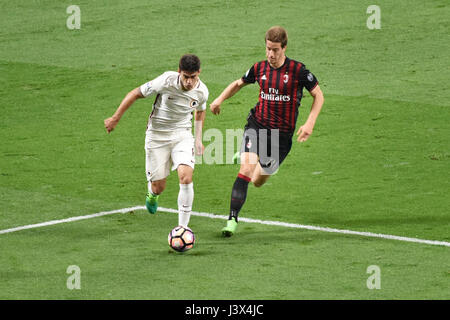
285 61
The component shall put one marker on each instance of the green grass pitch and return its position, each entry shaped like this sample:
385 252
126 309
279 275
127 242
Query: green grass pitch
378 160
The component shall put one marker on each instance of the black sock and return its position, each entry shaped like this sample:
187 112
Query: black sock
238 195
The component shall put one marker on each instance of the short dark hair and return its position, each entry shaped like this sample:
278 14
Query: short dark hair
189 63
277 34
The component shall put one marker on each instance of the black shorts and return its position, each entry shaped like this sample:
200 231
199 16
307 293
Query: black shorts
271 145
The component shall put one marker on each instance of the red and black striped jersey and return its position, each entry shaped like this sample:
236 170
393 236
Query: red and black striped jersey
281 91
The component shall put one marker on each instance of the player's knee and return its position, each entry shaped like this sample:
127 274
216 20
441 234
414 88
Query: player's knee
258 183
185 174
246 171
259 180
185 180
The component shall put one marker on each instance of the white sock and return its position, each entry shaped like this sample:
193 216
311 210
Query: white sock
185 200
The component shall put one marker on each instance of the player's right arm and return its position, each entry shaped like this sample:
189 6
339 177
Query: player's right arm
147 89
229 91
129 99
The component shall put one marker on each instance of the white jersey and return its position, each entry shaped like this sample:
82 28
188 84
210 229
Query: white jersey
173 107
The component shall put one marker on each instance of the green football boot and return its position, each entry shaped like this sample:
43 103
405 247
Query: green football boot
230 229
151 202
237 158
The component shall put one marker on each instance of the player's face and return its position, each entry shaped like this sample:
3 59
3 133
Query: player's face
189 79
275 53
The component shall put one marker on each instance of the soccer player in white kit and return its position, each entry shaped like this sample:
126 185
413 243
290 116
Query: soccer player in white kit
169 143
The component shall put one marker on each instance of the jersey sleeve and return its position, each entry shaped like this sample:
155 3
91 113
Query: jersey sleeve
153 86
249 76
202 105
307 79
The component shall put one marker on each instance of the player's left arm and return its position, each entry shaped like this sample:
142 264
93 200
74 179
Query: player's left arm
199 119
306 130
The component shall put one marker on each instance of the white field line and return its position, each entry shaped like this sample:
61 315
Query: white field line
52 222
248 220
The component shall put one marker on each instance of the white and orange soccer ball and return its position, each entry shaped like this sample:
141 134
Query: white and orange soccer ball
181 239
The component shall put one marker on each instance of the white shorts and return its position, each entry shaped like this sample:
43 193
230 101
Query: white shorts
166 151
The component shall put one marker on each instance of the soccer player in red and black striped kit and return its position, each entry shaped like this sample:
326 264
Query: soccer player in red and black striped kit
271 123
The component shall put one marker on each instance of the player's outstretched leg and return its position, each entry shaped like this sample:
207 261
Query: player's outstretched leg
238 196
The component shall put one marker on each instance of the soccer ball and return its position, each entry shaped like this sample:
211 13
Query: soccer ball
181 239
